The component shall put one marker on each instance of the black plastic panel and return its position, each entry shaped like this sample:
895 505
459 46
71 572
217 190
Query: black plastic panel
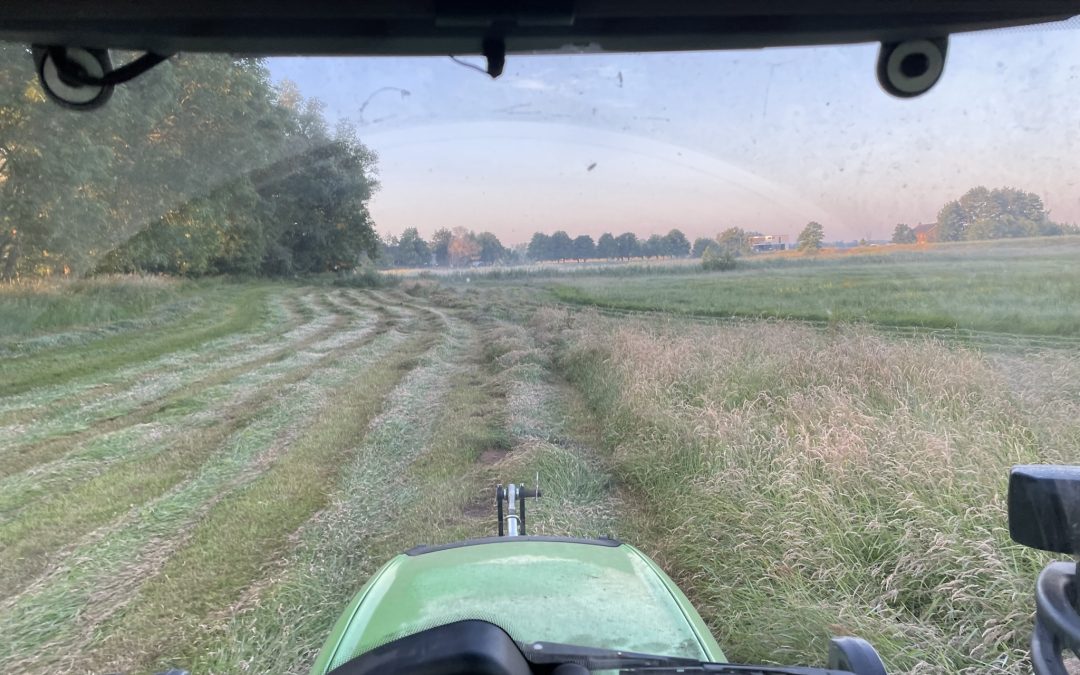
439 27
1044 507
464 647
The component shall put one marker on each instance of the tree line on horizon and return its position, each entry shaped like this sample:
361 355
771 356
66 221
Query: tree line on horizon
461 247
979 214
983 214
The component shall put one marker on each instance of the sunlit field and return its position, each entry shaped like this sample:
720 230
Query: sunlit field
200 475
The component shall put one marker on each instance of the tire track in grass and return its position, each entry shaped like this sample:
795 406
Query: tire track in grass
142 409
39 533
56 616
552 435
239 535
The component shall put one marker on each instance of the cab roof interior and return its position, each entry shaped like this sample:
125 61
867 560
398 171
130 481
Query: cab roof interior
440 27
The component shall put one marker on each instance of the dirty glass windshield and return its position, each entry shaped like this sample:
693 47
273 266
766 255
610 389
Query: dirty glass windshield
266 323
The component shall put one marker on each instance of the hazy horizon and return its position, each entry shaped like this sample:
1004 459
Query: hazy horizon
765 140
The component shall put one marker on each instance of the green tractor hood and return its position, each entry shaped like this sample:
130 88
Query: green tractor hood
594 593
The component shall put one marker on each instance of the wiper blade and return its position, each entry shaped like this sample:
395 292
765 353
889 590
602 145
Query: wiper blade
595 658
734 669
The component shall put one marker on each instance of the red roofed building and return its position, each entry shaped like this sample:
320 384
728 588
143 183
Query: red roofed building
925 234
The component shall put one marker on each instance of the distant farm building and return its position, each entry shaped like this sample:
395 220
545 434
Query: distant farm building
762 243
926 233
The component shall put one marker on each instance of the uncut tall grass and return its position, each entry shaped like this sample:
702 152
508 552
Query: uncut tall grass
802 483
33 305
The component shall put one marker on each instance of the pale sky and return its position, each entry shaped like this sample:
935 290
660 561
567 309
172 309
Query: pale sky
765 139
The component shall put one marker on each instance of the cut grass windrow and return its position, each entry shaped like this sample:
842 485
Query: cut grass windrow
56 616
22 457
424 474
280 621
130 442
27 410
288 313
244 308
244 531
27 541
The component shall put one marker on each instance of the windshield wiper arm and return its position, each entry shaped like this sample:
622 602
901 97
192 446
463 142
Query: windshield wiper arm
733 669
595 658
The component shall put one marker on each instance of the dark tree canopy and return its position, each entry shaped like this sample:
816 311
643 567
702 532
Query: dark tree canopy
200 167
440 246
561 246
491 249
676 244
408 250
995 214
903 234
653 247
583 247
606 247
627 245
540 247
701 244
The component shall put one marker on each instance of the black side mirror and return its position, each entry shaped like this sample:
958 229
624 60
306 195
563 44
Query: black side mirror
1044 513
854 655
1044 507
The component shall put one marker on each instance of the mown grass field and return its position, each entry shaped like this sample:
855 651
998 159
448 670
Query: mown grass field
1030 288
204 478
200 475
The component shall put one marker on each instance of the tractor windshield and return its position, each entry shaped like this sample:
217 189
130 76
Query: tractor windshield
266 323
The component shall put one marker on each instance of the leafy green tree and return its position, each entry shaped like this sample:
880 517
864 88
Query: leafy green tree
952 222
606 246
676 244
562 247
491 249
322 201
700 244
811 237
995 214
715 260
415 252
199 167
583 247
653 247
903 234
440 246
540 247
733 240
627 245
